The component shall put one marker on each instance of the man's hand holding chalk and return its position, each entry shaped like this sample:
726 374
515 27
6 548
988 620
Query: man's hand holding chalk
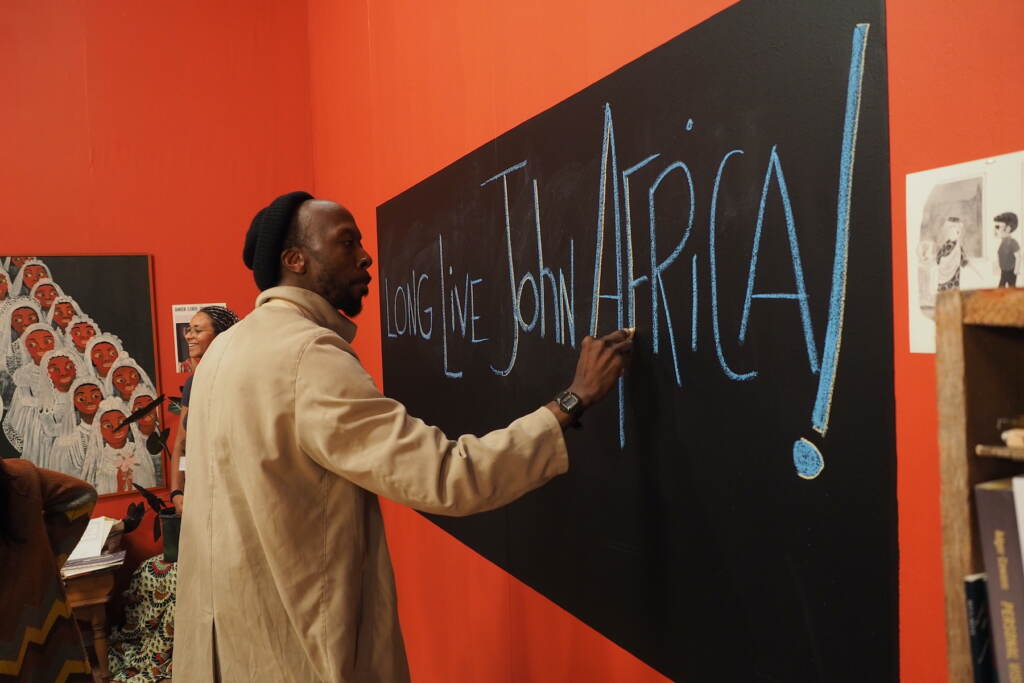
602 361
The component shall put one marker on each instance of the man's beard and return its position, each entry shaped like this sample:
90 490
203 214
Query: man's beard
350 306
340 295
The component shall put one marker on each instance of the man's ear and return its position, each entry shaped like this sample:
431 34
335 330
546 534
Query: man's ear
293 260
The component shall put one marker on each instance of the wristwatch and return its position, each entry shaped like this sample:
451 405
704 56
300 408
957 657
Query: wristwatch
572 405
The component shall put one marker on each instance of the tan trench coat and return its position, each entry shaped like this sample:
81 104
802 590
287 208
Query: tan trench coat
284 572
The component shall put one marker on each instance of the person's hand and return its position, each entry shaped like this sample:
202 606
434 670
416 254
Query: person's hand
179 503
602 361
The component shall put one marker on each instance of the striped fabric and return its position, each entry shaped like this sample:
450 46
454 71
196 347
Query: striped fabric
39 639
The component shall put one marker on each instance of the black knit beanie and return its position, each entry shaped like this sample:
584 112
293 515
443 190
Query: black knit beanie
262 252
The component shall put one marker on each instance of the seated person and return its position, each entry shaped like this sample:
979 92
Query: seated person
42 516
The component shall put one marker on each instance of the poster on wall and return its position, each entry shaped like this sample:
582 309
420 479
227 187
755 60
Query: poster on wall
181 315
962 233
76 358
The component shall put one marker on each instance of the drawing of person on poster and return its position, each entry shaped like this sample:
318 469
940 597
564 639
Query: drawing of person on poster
16 315
101 351
82 329
62 312
32 271
13 264
124 376
45 291
1009 249
146 426
22 425
950 257
113 462
71 449
57 414
952 222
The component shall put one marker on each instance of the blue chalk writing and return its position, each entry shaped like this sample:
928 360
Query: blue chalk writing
444 331
460 308
400 292
424 332
693 306
473 317
775 168
837 301
657 283
511 266
567 297
387 312
712 266
552 284
544 271
634 282
413 313
807 459
608 157
527 278
671 335
502 174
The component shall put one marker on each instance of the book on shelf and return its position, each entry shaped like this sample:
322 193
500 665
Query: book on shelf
1001 549
979 628
1018 505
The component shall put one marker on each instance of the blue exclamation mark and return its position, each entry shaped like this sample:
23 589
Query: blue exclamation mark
806 457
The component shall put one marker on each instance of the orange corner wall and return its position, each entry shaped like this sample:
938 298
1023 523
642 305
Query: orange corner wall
151 128
160 128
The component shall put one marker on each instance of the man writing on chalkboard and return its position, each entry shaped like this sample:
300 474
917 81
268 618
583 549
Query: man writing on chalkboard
284 570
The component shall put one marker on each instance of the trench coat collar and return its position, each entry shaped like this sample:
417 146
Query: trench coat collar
314 306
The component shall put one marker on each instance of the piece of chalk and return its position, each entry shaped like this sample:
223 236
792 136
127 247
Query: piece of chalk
631 331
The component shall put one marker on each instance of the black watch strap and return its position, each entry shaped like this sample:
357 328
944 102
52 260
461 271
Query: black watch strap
572 405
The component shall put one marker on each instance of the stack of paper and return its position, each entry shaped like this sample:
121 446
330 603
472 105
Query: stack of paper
88 554
92 564
91 543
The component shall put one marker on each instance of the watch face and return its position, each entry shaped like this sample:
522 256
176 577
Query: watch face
569 401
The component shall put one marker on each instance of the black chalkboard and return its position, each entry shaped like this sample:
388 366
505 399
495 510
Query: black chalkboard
730 512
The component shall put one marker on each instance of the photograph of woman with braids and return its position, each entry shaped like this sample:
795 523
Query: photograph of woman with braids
182 319
207 323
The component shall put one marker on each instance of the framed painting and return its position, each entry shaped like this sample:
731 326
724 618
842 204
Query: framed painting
77 357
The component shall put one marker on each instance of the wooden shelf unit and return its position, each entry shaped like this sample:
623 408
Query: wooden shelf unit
980 371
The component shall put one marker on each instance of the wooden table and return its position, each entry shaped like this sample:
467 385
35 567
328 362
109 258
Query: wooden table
88 595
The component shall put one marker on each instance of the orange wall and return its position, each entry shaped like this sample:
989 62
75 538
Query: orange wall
400 91
955 75
153 128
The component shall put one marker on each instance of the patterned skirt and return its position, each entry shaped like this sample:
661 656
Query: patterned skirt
140 651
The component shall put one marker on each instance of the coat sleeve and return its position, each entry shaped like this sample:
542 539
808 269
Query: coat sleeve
67 502
348 427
